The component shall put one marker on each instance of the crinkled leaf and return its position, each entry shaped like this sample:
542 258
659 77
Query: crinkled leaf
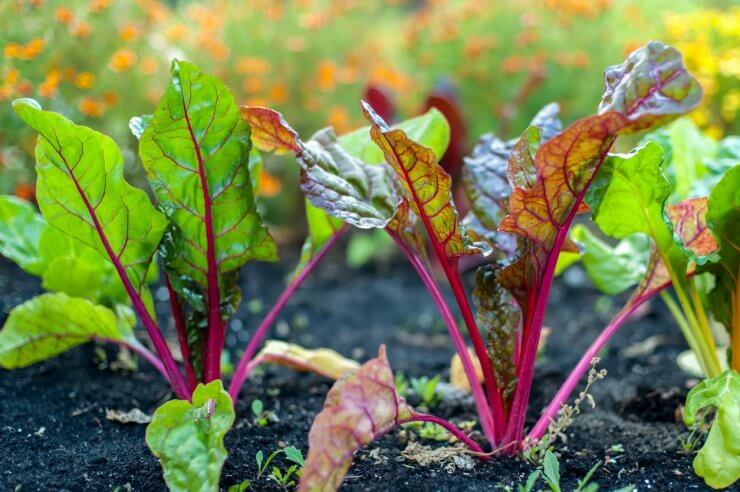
20 231
195 152
723 218
50 324
499 317
648 89
82 192
332 179
613 269
486 177
188 438
718 461
426 185
359 408
430 130
322 361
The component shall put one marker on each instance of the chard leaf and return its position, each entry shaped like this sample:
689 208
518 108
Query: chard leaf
486 177
51 324
426 185
718 461
359 408
20 231
195 152
82 192
723 218
650 88
613 269
407 228
333 180
322 361
430 130
499 316
188 438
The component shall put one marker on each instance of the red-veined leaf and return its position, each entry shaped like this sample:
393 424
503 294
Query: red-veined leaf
359 408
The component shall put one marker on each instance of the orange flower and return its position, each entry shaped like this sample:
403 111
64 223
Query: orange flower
84 80
148 65
269 185
274 12
122 60
252 65
252 84
339 118
90 107
12 50
25 87
278 93
176 32
25 191
326 75
11 76
110 98
99 5
33 49
64 15
128 32
82 30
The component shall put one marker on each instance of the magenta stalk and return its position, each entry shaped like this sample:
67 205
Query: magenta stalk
244 368
449 427
444 310
182 336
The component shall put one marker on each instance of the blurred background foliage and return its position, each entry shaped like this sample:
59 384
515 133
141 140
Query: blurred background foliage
102 61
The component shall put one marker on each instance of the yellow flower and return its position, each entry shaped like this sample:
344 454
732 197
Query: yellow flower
326 75
12 50
269 185
11 76
84 80
33 49
122 60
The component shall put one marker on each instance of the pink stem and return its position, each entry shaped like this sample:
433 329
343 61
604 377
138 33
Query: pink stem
182 335
139 349
584 363
449 427
481 404
173 374
244 368
494 396
215 336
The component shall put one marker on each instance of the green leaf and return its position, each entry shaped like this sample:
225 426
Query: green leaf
723 219
429 130
195 153
552 471
685 149
718 461
188 438
20 230
50 324
82 192
613 269
294 454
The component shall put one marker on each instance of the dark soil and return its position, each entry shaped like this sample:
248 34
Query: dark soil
54 434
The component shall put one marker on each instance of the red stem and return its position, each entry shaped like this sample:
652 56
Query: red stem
215 337
494 396
244 368
484 411
449 427
163 351
533 325
182 336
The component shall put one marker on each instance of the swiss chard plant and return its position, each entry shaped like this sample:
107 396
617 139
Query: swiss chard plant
96 240
525 195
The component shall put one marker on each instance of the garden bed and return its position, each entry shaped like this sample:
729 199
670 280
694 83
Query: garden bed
55 434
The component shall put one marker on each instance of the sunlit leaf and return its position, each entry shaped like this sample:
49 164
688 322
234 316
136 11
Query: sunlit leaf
359 408
82 192
188 438
718 461
20 231
51 324
322 361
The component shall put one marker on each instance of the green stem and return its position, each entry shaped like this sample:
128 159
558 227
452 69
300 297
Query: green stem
683 324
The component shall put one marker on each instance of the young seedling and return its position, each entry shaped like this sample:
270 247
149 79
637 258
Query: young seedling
426 389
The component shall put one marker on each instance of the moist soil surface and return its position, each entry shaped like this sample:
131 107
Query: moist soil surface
55 436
